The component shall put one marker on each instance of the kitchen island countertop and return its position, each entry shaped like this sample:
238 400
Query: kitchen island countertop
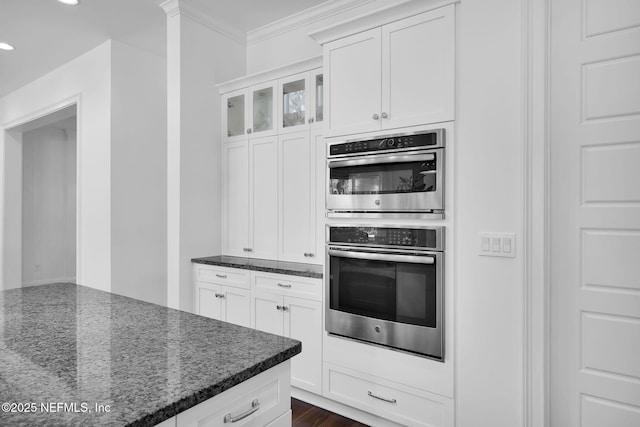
88 357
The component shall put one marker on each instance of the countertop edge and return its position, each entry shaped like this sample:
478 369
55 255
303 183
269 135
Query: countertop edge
275 270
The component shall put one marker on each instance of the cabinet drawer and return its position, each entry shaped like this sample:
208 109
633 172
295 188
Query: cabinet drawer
289 285
222 276
253 403
386 399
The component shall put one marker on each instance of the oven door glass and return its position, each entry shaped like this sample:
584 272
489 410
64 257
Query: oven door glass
403 292
383 175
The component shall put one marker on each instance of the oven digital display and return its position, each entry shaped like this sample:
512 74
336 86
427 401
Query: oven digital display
384 236
391 143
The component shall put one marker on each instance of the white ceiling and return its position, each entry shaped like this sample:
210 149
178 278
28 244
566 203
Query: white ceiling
47 34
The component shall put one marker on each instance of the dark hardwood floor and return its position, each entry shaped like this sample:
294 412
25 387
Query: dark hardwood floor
306 415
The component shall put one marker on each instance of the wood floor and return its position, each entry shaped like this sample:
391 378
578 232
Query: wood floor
306 415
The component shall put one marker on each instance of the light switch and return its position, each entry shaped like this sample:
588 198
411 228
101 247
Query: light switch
497 244
506 245
486 243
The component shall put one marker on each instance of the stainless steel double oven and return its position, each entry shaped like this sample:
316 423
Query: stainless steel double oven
385 280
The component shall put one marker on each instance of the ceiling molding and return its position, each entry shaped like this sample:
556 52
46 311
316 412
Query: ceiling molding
376 18
301 19
202 17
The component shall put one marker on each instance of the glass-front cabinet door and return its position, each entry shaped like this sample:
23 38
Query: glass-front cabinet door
234 114
262 110
317 83
293 103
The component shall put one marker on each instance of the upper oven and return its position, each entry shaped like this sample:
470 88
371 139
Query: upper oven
401 175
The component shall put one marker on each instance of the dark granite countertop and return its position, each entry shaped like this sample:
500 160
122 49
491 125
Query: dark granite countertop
68 344
268 265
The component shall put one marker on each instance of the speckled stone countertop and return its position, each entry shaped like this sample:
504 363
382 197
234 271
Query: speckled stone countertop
270 266
73 345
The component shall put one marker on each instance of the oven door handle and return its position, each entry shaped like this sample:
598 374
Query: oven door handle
374 160
374 256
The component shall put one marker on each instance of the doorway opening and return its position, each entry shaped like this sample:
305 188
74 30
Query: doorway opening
40 200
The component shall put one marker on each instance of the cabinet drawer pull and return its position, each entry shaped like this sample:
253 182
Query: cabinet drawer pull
222 276
279 307
376 117
219 295
285 308
384 115
255 405
381 398
284 285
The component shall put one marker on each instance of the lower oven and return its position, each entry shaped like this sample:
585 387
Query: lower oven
386 286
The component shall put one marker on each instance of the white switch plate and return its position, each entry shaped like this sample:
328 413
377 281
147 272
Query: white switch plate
498 244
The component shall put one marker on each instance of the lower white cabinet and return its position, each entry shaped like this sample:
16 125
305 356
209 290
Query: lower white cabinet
264 400
296 318
225 303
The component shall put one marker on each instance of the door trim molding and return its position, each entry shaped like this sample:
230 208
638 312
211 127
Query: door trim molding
536 184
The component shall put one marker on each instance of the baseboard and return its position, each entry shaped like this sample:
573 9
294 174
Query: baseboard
341 409
48 281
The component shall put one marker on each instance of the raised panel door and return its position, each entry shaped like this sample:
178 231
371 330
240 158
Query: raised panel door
418 69
235 218
353 84
263 203
303 322
266 312
236 306
295 197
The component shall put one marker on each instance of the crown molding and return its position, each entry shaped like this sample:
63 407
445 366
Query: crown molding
181 7
303 18
271 74
376 18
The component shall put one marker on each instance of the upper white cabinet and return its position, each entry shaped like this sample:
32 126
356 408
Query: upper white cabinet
249 112
301 101
396 75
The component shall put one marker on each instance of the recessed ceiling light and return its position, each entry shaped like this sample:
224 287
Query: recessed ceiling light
6 46
70 2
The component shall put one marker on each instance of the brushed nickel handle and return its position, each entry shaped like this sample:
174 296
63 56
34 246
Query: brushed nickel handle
311 120
255 405
284 285
222 276
376 117
381 398
384 115
229 133
278 307
311 255
285 308
249 249
249 131
219 295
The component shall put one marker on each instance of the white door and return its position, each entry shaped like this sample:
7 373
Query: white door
595 213
295 198
303 322
266 310
418 69
236 305
208 300
263 198
352 73
235 217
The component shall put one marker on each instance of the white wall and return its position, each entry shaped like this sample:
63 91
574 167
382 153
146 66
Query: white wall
138 174
198 58
11 212
48 205
87 78
488 188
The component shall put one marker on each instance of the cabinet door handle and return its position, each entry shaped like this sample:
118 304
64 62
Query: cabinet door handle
229 133
286 285
222 276
255 405
249 131
285 308
381 398
376 117
278 307
311 120
384 115
219 295
249 249
311 255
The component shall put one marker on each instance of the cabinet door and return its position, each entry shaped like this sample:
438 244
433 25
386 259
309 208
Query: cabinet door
266 312
263 198
262 110
234 111
418 69
318 185
235 215
353 84
294 103
236 306
295 198
209 301
303 322
316 99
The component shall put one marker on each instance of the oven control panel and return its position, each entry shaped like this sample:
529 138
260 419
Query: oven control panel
418 238
392 143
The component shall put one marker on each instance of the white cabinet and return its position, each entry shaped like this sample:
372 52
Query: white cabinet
296 318
224 303
250 182
263 400
397 75
249 111
301 101
301 195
